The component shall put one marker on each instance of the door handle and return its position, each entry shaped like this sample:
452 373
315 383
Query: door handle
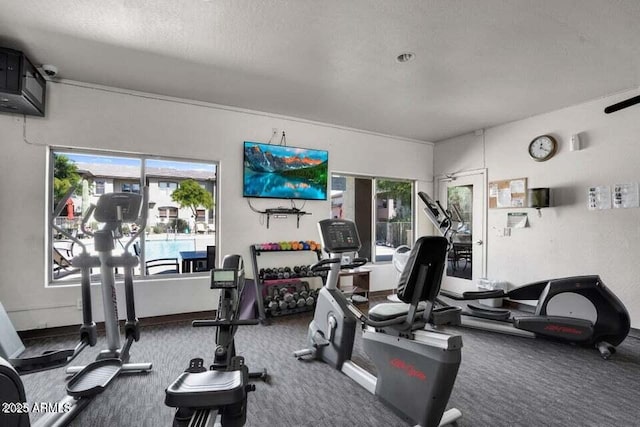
478 242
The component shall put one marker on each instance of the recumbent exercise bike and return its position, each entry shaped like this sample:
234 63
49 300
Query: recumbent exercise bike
416 366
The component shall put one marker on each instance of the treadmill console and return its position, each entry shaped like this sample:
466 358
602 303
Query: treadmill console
339 235
224 278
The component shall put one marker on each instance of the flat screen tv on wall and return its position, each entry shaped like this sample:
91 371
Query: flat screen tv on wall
282 172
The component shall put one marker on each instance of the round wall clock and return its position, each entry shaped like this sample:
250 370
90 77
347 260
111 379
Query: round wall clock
542 148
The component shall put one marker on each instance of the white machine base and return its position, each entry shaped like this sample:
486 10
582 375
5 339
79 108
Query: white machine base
127 367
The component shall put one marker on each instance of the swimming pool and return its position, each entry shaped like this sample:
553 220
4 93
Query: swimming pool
168 248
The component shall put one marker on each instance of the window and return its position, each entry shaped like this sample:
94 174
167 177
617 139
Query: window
167 185
393 217
383 224
167 213
130 187
99 186
180 192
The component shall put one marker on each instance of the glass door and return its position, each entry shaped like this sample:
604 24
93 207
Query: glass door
466 261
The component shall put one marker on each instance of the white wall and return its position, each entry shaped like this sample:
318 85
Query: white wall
568 239
85 116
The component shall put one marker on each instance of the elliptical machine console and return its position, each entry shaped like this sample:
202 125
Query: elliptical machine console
416 366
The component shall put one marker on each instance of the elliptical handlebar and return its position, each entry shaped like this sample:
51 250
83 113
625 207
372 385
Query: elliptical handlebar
440 217
144 214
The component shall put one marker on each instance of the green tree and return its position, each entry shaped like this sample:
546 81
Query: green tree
399 191
191 195
65 176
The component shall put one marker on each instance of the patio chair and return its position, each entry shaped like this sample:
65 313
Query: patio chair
162 266
65 247
62 265
211 257
201 228
211 228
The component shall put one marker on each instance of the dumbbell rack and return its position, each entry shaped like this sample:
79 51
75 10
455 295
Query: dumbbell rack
260 284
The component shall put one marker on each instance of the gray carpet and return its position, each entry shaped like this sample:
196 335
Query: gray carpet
503 381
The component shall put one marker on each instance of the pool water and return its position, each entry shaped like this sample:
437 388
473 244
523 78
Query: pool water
168 248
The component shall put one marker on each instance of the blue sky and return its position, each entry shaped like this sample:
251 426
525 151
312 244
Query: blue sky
128 161
285 151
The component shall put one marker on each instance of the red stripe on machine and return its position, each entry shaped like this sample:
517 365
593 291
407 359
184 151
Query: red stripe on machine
410 370
563 329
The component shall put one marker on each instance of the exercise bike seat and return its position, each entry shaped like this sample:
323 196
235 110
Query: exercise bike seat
392 310
206 389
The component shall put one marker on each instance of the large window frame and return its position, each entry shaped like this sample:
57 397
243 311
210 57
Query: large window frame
368 203
140 249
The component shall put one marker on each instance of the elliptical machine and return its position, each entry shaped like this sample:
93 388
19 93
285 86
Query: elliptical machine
111 209
217 396
416 366
11 346
580 310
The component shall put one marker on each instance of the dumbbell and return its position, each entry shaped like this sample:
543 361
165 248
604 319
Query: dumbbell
293 303
301 302
288 297
273 306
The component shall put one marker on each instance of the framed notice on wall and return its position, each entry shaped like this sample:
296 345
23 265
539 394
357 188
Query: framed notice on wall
508 193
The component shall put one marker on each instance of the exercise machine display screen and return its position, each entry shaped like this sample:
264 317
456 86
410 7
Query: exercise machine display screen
223 278
339 235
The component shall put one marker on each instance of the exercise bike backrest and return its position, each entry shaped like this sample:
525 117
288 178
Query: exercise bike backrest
422 275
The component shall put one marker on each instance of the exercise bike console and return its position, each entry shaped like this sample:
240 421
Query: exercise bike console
222 278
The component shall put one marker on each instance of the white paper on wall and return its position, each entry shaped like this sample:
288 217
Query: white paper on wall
517 186
625 195
493 190
599 197
504 198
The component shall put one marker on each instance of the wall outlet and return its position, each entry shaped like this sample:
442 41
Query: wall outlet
504 232
79 304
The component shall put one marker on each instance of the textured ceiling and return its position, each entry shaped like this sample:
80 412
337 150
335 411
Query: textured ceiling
478 63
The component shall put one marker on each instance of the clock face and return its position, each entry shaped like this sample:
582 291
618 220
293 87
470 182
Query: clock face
542 148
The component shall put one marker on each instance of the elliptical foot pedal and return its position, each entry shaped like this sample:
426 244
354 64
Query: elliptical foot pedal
488 312
319 340
94 378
